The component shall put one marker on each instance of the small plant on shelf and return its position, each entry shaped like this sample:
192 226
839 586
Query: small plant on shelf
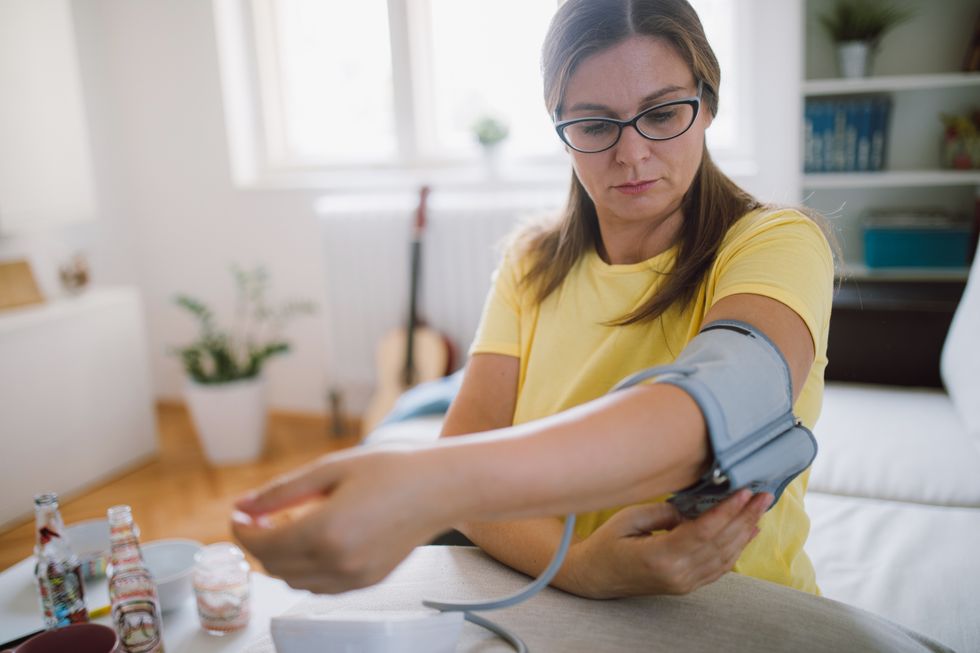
857 27
863 20
490 131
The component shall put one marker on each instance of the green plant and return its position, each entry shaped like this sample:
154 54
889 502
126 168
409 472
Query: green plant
863 20
222 355
489 131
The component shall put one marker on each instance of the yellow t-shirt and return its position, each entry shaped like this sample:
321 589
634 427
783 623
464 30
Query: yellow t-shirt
568 356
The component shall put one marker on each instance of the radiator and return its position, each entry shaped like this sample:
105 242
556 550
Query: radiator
366 252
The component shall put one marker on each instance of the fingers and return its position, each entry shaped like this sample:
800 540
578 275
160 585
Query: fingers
292 489
706 527
259 536
737 533
719 555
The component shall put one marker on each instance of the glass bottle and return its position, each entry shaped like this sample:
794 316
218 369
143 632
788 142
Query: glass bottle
57 570
221 586
132 591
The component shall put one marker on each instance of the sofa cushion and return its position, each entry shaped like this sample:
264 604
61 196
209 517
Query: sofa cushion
916 565
412 431
960 364
905 444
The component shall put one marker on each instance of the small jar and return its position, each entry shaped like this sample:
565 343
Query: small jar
221 586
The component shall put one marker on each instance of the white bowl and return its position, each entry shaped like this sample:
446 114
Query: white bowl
90 542
172 564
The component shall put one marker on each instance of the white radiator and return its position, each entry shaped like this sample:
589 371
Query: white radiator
366 244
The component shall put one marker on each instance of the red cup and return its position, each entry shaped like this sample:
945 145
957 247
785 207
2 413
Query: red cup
77 638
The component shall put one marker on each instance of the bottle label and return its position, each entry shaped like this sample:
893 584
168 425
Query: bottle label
62 594
138 624
136 611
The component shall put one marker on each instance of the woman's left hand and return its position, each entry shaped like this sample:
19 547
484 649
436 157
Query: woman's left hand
625 557
343 522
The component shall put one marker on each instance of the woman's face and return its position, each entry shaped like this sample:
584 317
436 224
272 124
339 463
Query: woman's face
637 179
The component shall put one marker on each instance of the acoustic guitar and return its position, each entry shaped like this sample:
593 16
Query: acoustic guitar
408 356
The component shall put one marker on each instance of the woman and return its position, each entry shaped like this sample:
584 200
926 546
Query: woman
655 243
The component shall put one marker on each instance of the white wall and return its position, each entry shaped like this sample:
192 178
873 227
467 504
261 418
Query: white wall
172 220
158 129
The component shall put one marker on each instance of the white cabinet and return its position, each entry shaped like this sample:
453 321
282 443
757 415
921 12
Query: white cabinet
45 159
919 68
75 399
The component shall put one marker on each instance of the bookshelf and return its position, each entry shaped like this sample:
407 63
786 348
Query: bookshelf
893 179
918 67
889 83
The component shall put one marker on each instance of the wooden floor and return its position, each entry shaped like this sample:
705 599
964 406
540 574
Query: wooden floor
178 494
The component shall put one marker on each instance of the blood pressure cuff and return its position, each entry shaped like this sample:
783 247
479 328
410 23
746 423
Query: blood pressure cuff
742 384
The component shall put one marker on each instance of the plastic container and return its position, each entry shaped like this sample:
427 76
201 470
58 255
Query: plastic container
916 240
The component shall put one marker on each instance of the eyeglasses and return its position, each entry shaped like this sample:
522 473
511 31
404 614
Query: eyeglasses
658 123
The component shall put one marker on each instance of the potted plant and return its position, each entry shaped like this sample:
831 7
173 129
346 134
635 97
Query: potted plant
857 27
489 133
225 389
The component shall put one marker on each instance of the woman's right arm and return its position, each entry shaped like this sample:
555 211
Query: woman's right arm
486 401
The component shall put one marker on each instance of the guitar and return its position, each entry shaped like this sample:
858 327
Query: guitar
412 355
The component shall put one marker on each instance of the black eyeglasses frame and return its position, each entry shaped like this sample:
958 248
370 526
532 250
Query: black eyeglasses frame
694 101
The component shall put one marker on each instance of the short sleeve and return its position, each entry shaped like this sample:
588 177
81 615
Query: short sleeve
499 331
784 256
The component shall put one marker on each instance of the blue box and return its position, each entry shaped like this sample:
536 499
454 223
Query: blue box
916 245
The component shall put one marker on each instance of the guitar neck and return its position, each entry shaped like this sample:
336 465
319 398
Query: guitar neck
409 369
416 265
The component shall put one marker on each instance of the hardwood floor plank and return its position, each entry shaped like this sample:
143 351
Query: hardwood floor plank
178 494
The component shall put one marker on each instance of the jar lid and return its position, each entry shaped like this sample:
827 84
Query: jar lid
219 553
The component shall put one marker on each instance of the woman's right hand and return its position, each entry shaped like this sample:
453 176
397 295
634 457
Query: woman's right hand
625 557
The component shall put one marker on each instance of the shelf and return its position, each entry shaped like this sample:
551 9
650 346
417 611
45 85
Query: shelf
859 271
892 179
889 83
29 318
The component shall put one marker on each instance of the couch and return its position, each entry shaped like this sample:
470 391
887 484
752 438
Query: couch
894 493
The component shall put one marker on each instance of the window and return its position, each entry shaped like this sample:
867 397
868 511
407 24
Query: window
398 85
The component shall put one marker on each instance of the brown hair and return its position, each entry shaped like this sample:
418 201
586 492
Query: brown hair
580 29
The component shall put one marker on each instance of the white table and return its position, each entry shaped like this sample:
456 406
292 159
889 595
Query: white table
736 613
20 612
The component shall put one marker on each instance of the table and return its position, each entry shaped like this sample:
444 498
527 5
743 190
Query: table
20 613
736 613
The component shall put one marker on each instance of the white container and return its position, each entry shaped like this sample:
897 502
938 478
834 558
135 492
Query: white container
229 419
854 59
171 563
368 631
90 542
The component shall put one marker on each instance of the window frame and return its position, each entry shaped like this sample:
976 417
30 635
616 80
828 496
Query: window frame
255 117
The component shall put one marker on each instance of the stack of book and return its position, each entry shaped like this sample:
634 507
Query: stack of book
845 135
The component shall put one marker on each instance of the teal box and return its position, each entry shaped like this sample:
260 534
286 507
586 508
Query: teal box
916 246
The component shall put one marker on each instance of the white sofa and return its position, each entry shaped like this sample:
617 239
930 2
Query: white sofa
894 495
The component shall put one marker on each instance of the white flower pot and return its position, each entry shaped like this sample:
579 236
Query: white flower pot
854 59
491 160
229 419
